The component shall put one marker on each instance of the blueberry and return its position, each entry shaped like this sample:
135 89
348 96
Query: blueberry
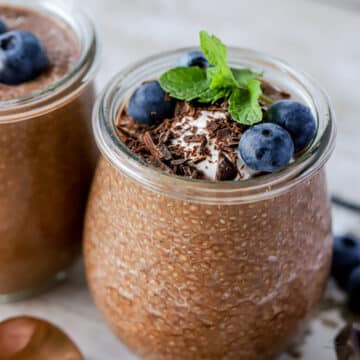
296 118
354 291
346 257
266 147
22 57
3 27
150 104
193 58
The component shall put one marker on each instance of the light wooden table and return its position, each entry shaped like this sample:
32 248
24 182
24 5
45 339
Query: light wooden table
319 39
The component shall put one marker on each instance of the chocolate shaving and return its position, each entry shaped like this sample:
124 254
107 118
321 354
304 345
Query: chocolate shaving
183 107
187 171
160 164
165 152
202 149
149 143
164 137
130 133
199 160
347 343
194 138
178 162
162 144
234 143
226 170
212 126
194 129
223 133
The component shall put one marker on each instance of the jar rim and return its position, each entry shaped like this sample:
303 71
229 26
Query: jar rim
81 73
225 192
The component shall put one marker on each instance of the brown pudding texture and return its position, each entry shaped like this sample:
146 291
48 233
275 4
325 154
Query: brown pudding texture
61 44
183 280
46 166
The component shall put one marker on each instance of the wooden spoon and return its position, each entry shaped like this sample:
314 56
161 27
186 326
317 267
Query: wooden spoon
28 338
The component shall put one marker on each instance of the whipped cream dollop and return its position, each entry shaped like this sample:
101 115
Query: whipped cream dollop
204 148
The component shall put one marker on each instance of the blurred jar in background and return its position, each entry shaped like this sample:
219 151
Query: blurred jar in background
47 155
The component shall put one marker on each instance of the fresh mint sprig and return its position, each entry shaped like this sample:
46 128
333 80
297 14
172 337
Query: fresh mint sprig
240 86
244 105
185 83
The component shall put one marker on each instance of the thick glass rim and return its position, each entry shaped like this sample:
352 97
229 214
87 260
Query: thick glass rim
226 192
83 71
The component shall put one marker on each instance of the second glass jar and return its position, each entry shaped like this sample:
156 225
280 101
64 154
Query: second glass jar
47 159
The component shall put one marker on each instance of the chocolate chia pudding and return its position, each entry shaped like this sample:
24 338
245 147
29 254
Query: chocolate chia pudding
209 258
47 154
62 45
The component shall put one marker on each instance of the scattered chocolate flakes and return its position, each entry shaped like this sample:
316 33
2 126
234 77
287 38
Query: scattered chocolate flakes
347 343
149 143
212 126
234 142
190 171
129 133
194 138
194 129
178 161
160 145
199 160
165 152
160 164
164 137
184 107
223 133
226 169
202 149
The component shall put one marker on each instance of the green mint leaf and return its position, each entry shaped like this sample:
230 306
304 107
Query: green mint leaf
213 95
244 105
254 87
185 83
220 77
211 73
213 49
240 86
243 76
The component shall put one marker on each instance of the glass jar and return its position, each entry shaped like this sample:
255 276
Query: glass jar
47 159
193 269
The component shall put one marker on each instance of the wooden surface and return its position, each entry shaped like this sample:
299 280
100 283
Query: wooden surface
317 38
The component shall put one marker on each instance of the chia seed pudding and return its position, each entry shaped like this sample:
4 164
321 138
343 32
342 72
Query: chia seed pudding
193 248
47 155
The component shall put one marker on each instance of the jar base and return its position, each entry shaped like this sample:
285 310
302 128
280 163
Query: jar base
57 279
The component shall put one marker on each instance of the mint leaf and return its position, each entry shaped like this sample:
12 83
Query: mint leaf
213 95
213 49
240 86
185 83
244 105
220 74
254 87
243 76
220 77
